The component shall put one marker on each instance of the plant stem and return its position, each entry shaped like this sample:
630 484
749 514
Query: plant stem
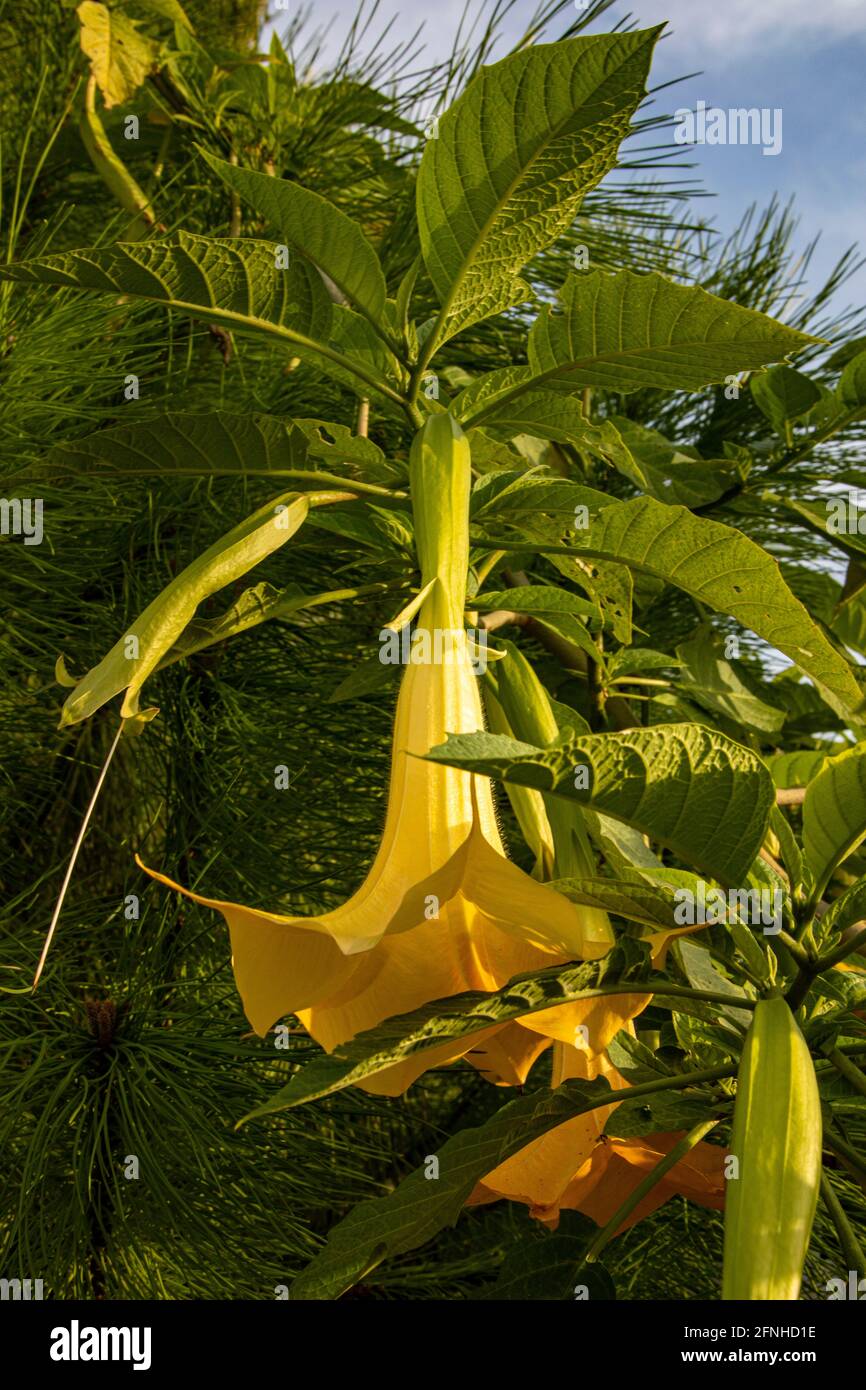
851 1248
840 952
76 849
846 1152
850 1072
687 1143
487 564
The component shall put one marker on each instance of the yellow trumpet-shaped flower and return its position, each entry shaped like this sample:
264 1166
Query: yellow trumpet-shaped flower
442 910
577 1167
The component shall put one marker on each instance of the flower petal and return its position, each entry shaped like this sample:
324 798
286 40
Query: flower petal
281 964
612 1173
509 1055
458 951
541 1172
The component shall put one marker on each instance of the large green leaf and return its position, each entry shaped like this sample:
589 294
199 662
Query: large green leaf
155 632
834 813
312 226
234 282
512 159
220 443
687 786
625 332
722 568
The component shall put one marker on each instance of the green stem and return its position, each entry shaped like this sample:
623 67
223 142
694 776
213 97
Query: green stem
850 1072
851 1247
840 952
801 956
487 564
686 1144
662 988
846 1152
809 973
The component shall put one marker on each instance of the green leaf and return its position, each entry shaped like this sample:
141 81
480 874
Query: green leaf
643 456
838 517
638 661
660 1114
255 606
219 444
512 159
120 56
834 814
667 472
153 634
526 493
846 910
713 681
650 905
702 973
549 1265
796 769
167 9
852 383
626 332
314 228
729 573
789 849
234 282
370 677
696 791
536 599
783 395
386 532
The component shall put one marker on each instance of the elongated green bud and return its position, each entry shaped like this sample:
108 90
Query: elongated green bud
526 707
776 1140
440 478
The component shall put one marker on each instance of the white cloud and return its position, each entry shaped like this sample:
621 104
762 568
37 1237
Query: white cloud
718 29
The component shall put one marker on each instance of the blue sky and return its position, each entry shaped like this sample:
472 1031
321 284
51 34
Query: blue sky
807 57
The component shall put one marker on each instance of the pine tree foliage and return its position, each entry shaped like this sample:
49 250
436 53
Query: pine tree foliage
123 1075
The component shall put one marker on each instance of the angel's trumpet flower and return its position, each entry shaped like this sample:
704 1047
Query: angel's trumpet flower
577 1167
441 910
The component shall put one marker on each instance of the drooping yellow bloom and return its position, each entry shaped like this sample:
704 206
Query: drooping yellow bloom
577 1167
442 910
